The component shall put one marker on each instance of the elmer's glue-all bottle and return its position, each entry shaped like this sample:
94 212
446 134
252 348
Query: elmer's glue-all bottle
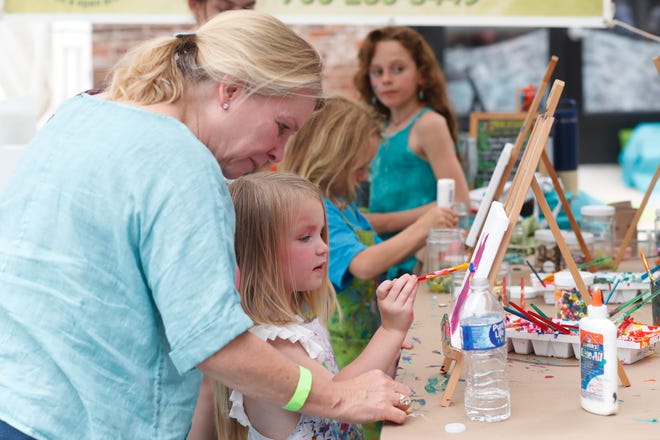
598 360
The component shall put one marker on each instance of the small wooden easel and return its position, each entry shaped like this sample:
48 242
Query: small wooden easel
528 122
633 225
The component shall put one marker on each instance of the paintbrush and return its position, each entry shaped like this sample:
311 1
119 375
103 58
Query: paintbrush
551 277
540 312
530 318
536 274
636 307
505 298
443 272
625 305
646 266
616 284
645 275
551 323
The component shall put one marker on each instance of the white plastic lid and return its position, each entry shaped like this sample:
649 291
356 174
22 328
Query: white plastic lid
597 210
454 428
565 279
571 238
544 235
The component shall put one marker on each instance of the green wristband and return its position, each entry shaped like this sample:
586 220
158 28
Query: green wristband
302 390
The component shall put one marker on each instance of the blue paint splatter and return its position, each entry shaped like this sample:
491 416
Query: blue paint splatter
645 420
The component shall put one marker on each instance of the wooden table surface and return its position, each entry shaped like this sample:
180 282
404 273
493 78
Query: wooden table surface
545 391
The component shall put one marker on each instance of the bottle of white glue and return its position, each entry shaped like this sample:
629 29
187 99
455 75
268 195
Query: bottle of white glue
598 360
445 193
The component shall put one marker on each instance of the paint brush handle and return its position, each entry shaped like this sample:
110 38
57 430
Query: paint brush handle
625 305
636 307
443 272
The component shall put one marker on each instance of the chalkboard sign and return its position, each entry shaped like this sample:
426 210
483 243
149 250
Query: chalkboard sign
491 132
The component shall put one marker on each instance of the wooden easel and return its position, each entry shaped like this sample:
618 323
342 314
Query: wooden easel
515 198
451 356
633 224
528 122
523 179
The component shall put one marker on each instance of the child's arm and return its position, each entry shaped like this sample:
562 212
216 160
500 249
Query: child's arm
203 421
374 260
431 140
383 222
395 301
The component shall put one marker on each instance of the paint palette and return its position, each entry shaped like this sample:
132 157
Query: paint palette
522 339
631 285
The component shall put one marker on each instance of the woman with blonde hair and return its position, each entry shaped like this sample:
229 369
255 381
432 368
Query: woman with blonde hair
117 263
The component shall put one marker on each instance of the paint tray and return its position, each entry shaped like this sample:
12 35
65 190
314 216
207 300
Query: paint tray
630 348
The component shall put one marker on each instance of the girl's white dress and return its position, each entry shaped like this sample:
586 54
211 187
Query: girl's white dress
314 339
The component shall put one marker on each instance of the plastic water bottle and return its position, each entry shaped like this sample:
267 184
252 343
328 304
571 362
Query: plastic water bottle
487 395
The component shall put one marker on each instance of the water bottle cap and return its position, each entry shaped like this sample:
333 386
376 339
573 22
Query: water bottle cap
454 428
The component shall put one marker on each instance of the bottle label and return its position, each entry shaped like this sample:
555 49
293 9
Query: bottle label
592 365
483 337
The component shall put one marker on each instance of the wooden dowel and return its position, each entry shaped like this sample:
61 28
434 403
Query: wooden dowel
531 115
561 243
567 208
633 224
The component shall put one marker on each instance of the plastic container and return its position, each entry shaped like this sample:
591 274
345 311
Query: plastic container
598 360
569 304
445 192
444 248
487 396
574 246
547 257
599 221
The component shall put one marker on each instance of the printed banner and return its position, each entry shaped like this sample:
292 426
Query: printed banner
157 7
526 13
512 13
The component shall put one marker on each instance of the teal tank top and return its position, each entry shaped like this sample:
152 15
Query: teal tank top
400 180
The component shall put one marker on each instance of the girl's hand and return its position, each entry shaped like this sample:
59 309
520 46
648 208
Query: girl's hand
395 302
439 217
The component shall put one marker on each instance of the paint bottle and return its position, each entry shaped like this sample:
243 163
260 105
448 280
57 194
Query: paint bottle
445 192
598 360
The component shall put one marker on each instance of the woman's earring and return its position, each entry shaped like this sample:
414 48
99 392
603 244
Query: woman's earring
225 106
420 95
374 100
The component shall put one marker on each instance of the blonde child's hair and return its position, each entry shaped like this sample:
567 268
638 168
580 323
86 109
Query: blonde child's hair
265 204
434 85
333 139
245 46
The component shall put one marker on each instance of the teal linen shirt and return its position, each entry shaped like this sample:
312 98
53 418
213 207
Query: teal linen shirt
117 274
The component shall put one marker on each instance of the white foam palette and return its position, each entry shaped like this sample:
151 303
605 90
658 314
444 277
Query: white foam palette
566 346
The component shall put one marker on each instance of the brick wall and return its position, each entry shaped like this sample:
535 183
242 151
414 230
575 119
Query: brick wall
336 44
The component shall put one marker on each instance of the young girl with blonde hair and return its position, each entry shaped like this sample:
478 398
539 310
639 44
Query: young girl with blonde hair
282 252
